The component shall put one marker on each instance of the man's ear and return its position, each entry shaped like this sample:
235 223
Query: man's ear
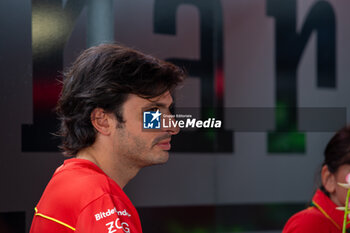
101 121
328 179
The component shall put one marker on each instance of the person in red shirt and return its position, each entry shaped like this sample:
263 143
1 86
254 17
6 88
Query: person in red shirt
322 215
100 108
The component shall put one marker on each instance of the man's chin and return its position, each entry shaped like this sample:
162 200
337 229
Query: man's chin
162 158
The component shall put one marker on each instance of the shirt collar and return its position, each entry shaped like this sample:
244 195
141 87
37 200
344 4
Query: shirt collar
327 207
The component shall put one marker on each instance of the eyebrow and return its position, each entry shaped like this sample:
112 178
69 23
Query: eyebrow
158 104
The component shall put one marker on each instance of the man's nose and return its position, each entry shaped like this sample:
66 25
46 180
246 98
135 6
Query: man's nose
173 128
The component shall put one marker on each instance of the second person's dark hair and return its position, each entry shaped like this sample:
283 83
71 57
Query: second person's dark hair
337 152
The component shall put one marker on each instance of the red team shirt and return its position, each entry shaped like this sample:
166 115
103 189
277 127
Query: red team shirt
322 217
80 197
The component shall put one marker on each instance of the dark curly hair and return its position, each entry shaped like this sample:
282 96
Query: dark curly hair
102 77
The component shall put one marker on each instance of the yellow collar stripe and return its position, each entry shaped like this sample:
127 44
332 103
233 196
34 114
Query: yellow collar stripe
325 214
52 219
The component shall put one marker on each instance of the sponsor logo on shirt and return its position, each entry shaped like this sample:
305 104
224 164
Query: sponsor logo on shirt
110 212
117 224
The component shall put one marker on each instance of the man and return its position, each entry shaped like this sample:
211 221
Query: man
100 108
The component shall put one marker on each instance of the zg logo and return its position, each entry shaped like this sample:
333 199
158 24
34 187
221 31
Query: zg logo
151 120
118 225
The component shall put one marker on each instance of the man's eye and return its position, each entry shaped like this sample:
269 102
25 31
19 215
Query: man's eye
154 109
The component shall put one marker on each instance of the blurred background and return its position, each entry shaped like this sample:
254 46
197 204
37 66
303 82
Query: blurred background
275 71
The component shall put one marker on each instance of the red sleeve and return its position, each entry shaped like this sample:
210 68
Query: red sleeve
308 222
41 225
108 214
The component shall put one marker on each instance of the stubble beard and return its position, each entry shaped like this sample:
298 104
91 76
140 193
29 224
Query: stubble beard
138 153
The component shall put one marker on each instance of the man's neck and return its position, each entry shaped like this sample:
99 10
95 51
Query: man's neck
110 165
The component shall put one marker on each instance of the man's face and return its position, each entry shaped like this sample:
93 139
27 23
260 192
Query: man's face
135 146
